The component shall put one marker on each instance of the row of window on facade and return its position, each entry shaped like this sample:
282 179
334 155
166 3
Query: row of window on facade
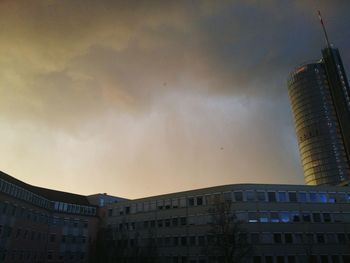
236 196
74 209
12 210
248 217
304 258
23 194
257 238
7 231
39 256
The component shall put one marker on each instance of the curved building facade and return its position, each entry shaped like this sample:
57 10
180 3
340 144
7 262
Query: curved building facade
320 140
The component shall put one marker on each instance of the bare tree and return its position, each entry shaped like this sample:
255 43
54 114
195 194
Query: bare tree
227 239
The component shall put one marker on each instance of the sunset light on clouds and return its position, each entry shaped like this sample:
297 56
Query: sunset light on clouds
138 98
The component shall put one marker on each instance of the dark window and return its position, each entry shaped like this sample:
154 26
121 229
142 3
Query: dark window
160 223
183 241
238 196
268 259
320 238
167 222
292 197
257 259
174 222
199 200
201 241
341 238
277 238
291 259
191 201
192 240
280 259
183 221
288 238
306 217
110 211
255 238
175 241
327 217
127 210
271 196
324 259
316 217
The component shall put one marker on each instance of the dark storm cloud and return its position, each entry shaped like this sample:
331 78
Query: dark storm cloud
127 53
150 91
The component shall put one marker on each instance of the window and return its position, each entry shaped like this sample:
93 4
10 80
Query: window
255 238
160 223
323 197
341 238
332 198
309 238
238 196
183 221
252 217
271 196
250 195
320 238
282 196
264 217
331 238
277 238
228 196
284 217
175 203
316 217
201 241
288 238
313 197
174 222
52 237
199 200
295 216
292 197
266 238
274 217
183 241
190 201
298 238
192 240
327 217
182 202
306 217
261 196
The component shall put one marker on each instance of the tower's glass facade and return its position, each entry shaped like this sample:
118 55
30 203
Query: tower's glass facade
321 119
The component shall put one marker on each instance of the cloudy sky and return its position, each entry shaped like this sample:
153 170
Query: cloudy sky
138 98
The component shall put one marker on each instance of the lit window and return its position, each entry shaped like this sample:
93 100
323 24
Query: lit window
282 196
264 217
284 217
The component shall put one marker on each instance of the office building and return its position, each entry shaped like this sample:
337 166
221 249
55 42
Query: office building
44 225
281 223
319 95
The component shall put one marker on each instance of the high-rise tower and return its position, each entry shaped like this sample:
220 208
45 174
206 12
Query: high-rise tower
319 94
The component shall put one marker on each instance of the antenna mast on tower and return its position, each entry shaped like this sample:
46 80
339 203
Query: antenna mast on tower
324 29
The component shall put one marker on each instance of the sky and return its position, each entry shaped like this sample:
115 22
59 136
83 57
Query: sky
139 98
